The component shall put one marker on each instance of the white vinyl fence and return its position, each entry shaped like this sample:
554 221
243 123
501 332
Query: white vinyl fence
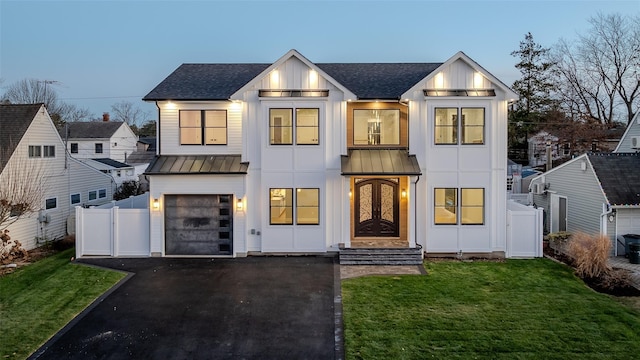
524 231
113 231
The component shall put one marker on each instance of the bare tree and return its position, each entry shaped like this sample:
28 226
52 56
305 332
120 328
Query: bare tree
22 188
127 112
33 91
598 77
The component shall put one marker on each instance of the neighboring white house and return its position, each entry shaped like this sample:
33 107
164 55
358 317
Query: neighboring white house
299 157
100 139
630 141
120 172
29 140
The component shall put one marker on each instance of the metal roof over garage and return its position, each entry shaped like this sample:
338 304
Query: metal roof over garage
379 162
197 164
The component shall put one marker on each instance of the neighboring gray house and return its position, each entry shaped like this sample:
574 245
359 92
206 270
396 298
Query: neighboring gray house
630 141
593 193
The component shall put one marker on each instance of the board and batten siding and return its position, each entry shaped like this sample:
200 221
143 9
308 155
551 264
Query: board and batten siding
170 128
583 193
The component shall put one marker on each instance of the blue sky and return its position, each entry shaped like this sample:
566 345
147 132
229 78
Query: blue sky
102 52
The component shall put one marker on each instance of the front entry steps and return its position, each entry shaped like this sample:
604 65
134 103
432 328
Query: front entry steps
381 256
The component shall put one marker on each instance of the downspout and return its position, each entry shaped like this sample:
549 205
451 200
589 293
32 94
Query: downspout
606 211
415 212
158 131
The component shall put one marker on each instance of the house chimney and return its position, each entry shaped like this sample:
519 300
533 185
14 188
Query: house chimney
105 117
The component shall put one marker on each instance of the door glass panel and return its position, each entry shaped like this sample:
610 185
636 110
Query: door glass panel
366 204
386 202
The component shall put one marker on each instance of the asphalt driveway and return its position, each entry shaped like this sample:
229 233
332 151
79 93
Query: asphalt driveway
247 308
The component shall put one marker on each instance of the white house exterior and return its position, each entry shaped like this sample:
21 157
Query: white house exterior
106 139
31 145
630 140
298 157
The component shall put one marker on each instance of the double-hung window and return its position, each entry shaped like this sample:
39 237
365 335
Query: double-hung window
98 148
203 127
74 148
469 210
282 129
448 125
306 208
35 151
49 151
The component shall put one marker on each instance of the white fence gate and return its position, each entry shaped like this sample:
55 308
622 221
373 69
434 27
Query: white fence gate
112 232
524 231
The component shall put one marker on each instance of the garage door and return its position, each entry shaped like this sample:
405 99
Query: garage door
198 224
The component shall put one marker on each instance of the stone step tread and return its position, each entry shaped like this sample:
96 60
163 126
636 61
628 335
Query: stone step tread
389 262
367 256
381 251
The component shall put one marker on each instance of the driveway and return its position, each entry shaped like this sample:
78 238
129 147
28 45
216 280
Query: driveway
246 308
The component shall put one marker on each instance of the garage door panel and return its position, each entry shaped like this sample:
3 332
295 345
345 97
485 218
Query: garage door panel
198 225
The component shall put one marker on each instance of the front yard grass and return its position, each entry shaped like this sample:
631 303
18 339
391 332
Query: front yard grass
518 309
38 300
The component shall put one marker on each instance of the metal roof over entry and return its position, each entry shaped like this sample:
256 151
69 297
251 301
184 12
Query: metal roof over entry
197 164
379 162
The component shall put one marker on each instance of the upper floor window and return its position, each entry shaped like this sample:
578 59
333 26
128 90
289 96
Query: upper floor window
203 127
74 148
49 151
447 125
98 148
376 127
35 151
281 126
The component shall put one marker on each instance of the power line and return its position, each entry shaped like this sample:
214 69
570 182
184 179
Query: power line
101 97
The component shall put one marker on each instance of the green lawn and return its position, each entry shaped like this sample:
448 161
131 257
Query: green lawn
518 309
38 300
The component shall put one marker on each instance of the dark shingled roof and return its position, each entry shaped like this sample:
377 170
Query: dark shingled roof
379 162
619 175
220 81
379 80
205 81
14 122
91 130
111 162
197 164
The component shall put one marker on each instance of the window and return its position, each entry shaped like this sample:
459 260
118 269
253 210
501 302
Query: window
280 126
102 193
51 203
306 126
75 199
471 127
35 151
445 206
307 206
281 206
93 195
376 127
98 148
203 127
472 206
49 151
74 148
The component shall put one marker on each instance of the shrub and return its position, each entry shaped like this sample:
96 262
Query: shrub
590 254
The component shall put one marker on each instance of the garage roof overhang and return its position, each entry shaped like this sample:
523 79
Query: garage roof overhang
197 164
379 162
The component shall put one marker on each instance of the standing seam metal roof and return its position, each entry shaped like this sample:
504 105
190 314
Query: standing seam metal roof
197 164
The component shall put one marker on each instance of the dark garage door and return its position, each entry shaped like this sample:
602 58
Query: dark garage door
198 224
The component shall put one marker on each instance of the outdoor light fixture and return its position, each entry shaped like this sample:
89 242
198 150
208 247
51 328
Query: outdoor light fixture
239 205
156 204
404 193
350 194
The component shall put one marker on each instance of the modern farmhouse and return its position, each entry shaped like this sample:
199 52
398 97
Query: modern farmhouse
303 157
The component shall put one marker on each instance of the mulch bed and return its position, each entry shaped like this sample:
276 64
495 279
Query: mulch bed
617 284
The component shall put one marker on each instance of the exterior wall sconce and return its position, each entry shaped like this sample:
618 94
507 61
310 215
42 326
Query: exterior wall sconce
156 204
404 193
239 205
350 194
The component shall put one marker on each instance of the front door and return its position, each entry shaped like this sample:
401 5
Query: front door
376 208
